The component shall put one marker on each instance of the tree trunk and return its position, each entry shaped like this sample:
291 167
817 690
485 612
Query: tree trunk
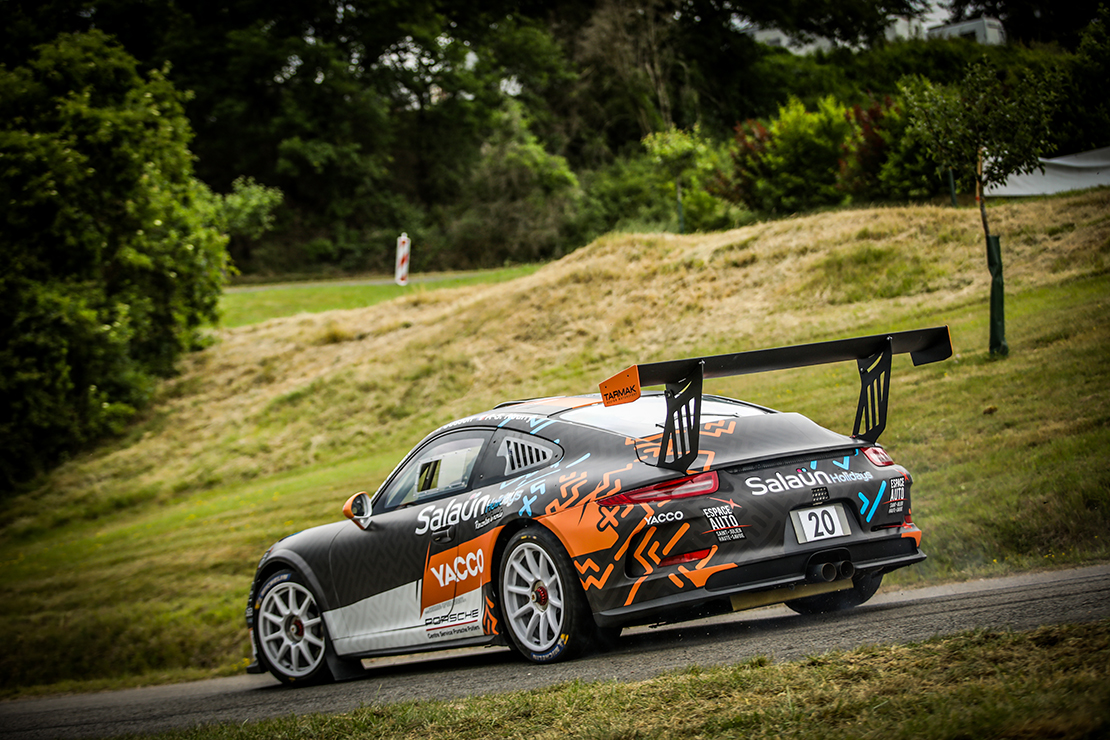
678 190
997 343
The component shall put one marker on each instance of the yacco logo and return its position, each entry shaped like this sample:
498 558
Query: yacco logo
663 517
474 564
802 479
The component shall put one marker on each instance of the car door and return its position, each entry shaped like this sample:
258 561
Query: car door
395 581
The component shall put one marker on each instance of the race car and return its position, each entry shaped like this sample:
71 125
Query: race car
547 525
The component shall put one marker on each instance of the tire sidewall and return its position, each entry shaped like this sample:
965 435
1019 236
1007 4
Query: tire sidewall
577 624
321 674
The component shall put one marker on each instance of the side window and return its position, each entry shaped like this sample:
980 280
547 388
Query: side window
512 454
442 467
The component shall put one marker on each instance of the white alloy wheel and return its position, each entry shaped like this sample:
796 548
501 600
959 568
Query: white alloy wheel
291 631
534 597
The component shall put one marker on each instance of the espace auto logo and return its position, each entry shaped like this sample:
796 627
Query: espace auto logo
473 564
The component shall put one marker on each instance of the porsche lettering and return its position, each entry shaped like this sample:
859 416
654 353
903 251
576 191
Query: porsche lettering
452 618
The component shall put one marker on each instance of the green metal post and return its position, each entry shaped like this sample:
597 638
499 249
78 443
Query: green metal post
952 187
998 320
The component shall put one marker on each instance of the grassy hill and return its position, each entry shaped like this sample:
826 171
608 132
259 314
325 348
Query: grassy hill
134 560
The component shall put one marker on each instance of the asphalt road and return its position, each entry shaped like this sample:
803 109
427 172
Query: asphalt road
1019 602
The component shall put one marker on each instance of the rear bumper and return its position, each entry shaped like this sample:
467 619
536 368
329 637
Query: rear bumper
784 571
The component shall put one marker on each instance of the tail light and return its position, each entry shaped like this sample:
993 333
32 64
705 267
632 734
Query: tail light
686 557
878 456
694 485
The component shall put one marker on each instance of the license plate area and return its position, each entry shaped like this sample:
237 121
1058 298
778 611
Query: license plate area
820 523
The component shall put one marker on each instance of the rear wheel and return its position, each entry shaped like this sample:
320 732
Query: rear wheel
545 611
864 586
290 632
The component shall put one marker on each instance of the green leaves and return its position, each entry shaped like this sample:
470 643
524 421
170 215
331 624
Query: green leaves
1004 118
112 258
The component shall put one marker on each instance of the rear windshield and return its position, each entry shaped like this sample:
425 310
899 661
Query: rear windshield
645 417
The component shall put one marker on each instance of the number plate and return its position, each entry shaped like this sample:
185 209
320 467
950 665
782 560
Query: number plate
820 523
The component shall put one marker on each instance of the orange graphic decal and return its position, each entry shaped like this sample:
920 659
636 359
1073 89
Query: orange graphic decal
592 581
489 622
459 570
677 536
717 428
635 588
639 552
701 572
624 387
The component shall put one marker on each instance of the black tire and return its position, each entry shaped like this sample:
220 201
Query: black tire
289 631
546 614
864 586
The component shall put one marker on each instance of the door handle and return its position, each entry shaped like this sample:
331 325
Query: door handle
440 536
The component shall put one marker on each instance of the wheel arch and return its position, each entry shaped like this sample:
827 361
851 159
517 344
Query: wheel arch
288 560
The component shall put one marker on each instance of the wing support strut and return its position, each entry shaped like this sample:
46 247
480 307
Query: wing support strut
683 381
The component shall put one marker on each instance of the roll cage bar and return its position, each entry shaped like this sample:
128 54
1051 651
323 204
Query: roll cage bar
683 380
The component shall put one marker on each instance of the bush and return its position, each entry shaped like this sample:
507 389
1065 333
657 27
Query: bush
882 161
791 164
110 264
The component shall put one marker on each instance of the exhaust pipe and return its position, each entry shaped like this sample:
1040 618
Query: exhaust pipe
845 569
821 572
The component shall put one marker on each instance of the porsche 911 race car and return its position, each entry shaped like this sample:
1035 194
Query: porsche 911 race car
549 524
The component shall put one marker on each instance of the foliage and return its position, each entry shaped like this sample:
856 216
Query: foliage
1004 122
111 263
519 201
881 161
1032 21
1082 121
791 164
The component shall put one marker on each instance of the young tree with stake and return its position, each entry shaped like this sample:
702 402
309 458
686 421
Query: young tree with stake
985 128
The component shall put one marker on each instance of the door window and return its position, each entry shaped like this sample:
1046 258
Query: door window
443 466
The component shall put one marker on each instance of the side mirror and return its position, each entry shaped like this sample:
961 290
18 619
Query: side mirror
357 509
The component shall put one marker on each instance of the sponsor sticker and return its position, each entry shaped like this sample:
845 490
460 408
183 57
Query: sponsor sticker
897 496
722 522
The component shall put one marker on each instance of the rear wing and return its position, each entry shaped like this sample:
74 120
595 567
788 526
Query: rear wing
683 380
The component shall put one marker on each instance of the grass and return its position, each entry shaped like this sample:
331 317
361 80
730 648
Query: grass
253 304
131 563
1050 682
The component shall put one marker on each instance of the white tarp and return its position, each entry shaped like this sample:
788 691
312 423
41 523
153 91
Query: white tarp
1073 172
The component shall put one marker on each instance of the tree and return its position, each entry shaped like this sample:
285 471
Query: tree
112 258
985 128
678 153
1032 21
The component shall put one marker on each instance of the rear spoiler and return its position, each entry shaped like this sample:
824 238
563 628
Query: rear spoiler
683 379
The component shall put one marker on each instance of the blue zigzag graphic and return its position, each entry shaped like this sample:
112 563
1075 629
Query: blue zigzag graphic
874 504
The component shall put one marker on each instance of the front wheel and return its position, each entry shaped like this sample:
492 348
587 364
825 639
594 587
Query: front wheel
864 586
290 632
543 604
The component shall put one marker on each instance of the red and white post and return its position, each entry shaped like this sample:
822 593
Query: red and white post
401 273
